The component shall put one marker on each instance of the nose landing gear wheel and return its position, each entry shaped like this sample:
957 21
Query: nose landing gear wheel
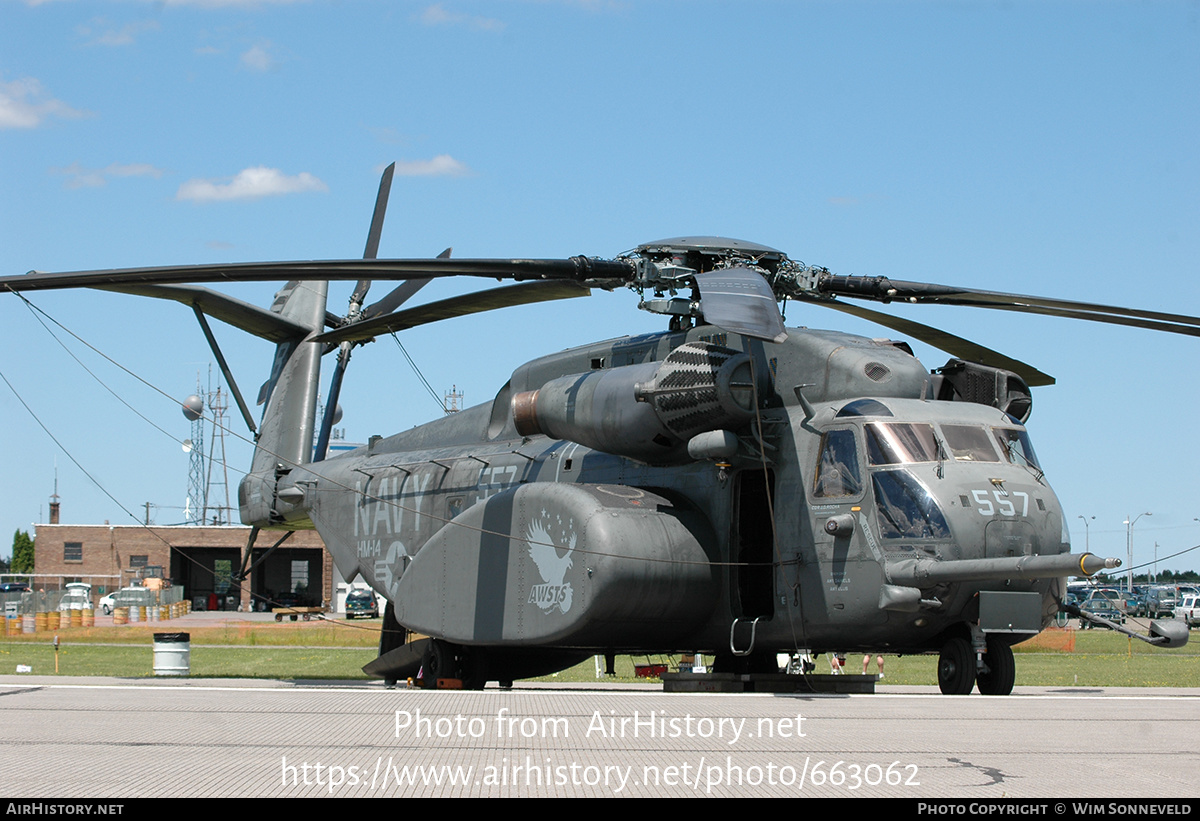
956 668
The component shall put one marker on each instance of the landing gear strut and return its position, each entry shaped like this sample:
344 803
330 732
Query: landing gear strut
1000 673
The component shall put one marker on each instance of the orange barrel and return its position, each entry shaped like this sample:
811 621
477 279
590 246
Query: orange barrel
43 619
54 620
89 617
77 618
120 615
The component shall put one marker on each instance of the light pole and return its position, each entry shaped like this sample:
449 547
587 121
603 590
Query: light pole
1087 539
1129 523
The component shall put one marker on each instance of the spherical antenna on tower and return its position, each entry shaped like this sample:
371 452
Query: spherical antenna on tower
337 414
193 408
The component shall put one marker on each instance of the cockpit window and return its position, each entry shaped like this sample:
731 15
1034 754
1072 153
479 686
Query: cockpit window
1015 444
906 509
969 443
837 472
897 443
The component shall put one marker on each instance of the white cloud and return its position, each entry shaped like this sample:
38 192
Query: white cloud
250 184
23 105
435 15
81 177
101 33
258 58
443 165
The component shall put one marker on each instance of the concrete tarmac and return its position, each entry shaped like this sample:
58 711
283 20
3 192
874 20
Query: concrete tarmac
128 738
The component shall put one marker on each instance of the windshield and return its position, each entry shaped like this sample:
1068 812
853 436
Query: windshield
1015 444
899 443
906 509
837 472
969 443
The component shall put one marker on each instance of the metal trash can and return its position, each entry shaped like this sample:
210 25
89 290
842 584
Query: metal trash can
172 654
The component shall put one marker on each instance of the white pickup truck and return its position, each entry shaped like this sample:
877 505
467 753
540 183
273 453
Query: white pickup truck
1189 609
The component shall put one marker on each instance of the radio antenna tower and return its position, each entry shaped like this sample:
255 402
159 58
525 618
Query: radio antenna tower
208 476
217 484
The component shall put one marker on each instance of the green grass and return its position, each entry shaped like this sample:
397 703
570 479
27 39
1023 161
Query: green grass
1096 658
333 633
206 661
338 650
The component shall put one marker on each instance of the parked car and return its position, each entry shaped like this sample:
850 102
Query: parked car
106 603
362 603
1189 609
75 599
1103 607
1113 595
14 587
133 597
1161 601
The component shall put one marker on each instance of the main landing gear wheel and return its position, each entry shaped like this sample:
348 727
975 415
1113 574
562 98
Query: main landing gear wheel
437 663
956 668
1002 673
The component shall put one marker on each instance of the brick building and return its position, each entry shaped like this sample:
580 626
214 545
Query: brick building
201 559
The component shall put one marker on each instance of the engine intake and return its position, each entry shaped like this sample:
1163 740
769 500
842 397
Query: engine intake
647 412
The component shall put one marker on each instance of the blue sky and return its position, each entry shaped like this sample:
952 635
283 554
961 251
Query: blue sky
1045 148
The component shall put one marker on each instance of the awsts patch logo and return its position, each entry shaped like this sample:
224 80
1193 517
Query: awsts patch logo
546 536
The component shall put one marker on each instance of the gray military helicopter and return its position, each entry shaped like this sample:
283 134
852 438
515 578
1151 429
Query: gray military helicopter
727 486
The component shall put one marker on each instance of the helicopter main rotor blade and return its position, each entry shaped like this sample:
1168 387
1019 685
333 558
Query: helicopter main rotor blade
944 341
579 269
741 301
381 201
1108 319
249 318
375 232
478 302
400 294
885 290
356 299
